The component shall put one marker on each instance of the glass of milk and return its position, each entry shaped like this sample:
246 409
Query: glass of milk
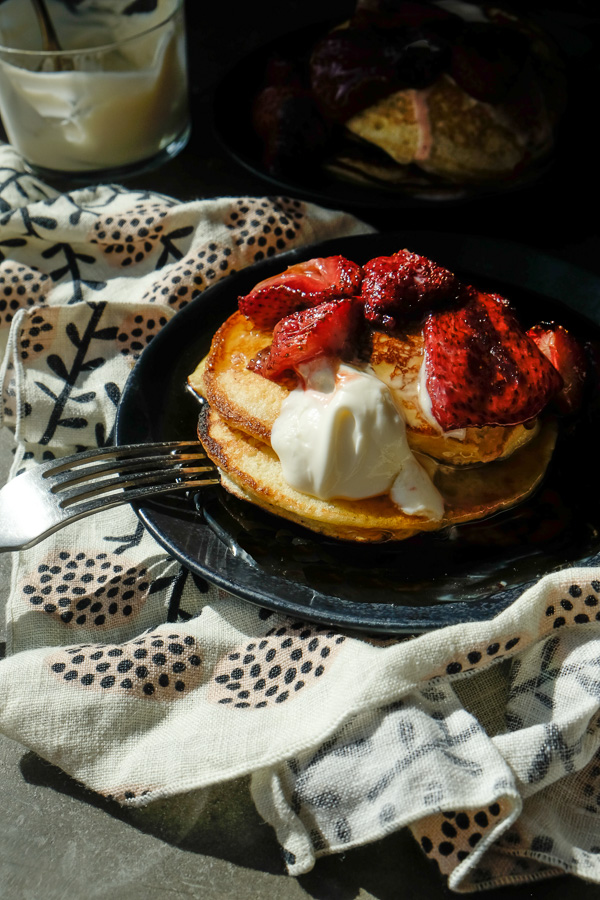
111 103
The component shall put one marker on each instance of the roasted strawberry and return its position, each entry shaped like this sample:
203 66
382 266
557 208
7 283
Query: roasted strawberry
398 287
568 356
292 131
328 329
482 368
351 69
300 286
487 60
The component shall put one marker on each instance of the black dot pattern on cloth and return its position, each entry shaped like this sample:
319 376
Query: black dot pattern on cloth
179 284
273 669
21 286
127 238
450 837
265 226
578 604
86 590
9 396
259 229
128 794
158 666
478 655
38 332
136 332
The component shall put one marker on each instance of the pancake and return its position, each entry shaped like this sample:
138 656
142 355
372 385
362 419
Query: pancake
444 131
251 471
250 403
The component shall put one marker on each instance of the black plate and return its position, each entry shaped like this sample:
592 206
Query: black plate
232 122
465 573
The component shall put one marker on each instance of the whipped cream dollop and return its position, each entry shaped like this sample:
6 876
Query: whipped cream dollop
340 435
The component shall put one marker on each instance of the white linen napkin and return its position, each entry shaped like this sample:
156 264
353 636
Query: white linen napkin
143 682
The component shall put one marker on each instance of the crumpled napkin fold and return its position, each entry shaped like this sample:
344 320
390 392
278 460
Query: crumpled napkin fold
142 681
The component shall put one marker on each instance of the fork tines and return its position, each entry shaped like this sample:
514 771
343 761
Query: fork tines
138 471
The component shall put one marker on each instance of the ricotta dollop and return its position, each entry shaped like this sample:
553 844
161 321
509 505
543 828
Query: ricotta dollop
340 435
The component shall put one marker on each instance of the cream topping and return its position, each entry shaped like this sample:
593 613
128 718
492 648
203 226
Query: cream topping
340 435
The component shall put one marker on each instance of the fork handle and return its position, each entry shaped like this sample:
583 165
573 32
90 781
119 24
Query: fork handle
18 541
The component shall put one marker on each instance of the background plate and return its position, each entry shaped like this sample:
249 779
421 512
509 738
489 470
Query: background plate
232 122
466 573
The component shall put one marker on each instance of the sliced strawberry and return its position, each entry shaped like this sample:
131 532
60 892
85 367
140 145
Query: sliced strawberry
397 287
328 329
300 286
482 368
291 130
567 356
487 60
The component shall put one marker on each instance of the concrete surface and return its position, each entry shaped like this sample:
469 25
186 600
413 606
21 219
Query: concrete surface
61 842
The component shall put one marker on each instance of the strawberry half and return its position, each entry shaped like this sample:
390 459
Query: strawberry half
482 368
568 356
328 329
303 285
397 287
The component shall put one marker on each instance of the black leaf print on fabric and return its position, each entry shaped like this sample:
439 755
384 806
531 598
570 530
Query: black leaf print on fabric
113 393
78 210
17 179
80 365
29 221
73 334
107 334
72 268
541 686
161 584
101 438
169 247
40 221
176 594
553 745
73 422
57 365
87 397
127 541
90 364
46 390
200 583
11 242
176 583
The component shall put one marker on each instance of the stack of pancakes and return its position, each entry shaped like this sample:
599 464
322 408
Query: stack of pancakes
478 471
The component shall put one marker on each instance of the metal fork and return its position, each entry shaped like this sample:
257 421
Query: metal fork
37 503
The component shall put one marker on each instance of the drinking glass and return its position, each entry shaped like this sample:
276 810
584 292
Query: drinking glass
112 102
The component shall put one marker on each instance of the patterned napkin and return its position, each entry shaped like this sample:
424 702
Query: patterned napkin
143 682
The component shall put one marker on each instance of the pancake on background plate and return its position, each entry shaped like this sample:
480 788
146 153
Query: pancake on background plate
375 402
